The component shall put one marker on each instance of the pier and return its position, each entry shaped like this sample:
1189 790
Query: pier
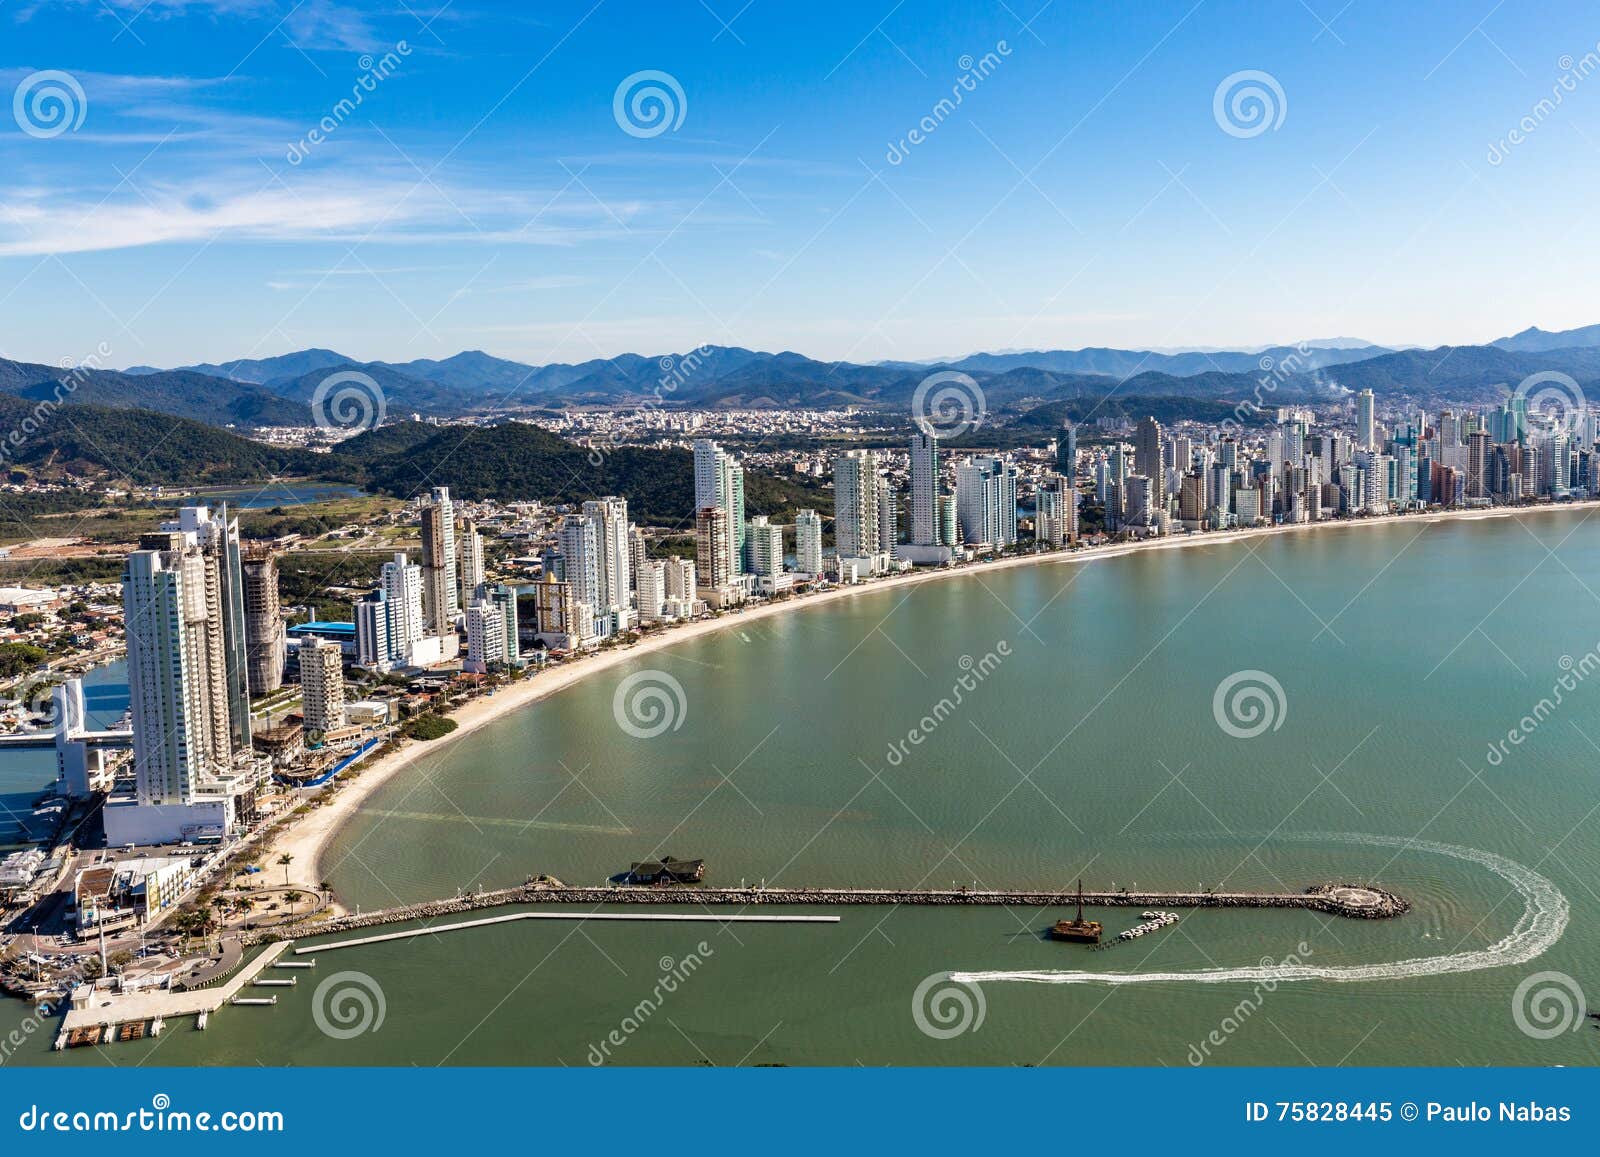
1357 901
101 1016
681 917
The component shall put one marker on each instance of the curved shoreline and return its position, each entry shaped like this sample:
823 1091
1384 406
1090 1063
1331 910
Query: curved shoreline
308 840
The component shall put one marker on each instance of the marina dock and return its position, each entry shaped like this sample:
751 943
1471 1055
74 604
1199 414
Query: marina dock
102 1019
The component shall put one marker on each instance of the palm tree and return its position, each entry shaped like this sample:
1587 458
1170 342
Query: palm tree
286 859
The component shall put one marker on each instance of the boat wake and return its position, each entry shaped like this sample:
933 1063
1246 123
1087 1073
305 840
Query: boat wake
1544 918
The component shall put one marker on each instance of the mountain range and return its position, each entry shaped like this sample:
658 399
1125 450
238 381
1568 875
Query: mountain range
279 390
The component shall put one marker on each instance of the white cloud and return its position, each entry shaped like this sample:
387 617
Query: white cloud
380 208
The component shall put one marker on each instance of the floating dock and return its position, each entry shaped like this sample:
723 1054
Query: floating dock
104 1015
682 917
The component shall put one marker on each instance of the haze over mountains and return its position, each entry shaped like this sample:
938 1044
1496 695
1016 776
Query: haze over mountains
278 390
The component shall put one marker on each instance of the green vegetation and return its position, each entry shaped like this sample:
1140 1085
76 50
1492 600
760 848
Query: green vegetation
143 447
62 571
305 576
19 658
427 727
519 461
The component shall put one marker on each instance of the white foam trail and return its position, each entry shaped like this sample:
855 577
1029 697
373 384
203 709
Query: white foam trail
1543 920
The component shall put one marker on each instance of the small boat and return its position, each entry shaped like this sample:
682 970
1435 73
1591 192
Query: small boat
1077 930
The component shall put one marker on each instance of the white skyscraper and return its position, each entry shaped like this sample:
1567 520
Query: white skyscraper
986 501
615 561
808 542
765 546
471 550
375 639
486 636
402 588
719 481
193 768
855 504
651 583
1366 435
579 540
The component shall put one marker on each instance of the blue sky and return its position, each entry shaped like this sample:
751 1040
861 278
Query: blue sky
484 195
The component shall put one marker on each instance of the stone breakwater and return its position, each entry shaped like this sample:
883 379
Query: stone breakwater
1360 901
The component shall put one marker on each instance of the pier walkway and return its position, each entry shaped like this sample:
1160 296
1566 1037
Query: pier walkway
1359 901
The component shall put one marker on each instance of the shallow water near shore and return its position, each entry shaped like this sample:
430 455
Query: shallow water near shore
1077 736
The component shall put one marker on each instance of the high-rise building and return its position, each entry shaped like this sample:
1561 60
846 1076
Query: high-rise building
1147 460
1055 510
719 481
638 554
1067 452
579 539
265 639
375 631
1478 465
441 601
949 522
650 583
614 562
764 545
470 547
681 581
402 587
321 685
855 504
194 771
924 490
486 636
561 623
504 596
1366 430
712 549
986 500
808 542
888 517
217 538
176 687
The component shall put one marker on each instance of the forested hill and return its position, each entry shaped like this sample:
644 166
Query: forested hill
519 461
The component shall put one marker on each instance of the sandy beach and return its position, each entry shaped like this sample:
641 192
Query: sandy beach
307 840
